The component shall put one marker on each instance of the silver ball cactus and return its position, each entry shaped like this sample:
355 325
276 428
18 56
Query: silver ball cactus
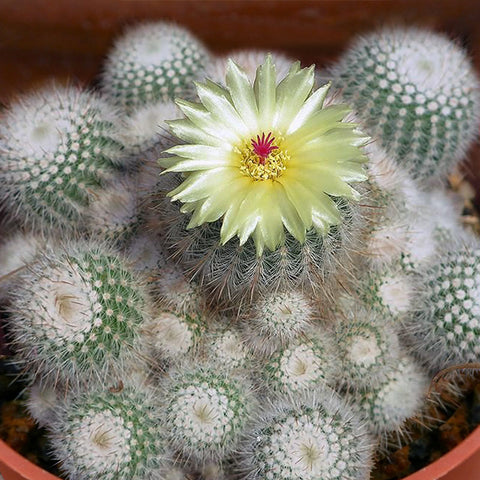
397 396
417 93
305 365
174 335
276 319
205 411
446 327
78 315
153 62
110 436
366 346
316 438
59 148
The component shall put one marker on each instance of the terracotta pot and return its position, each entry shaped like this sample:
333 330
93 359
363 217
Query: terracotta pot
461 463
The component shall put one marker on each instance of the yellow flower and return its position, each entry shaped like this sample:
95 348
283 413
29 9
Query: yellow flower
265 157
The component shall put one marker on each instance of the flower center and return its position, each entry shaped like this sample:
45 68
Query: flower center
262 159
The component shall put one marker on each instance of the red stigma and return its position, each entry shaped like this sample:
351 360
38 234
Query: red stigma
262 147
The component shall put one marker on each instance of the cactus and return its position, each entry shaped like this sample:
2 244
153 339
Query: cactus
206 411
110 436
273 254
59 147
16 252
145 130
367 346
174 291
77 315
262 142
113 214
416 93
397 396
304 366
445 329
173 335
224 345
153 62
308 439
43 398
276 319
249 60
390 291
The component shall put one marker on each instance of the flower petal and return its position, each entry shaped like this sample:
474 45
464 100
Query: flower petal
309 108
292 92
318 124
318 210
204 120
198 157
270 228
265 93
242 95
326 182
221 108
189 132
194 151
198 185
213 207
290 217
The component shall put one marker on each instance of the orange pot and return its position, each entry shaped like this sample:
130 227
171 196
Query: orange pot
461 463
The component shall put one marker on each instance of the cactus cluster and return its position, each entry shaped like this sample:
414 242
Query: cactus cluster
260 289
59 148
416 93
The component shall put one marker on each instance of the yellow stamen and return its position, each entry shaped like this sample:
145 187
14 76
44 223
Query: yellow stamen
259 168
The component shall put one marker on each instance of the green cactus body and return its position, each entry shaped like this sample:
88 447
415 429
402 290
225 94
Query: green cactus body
416 93
224 345
153 62
390 291
307 440
277 319
109 436
173 335
205 413
77 315
304 366
367 347
59 149
446 329
397 396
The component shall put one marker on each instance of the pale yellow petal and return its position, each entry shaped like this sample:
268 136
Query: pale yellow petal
218 202
313 104
324 120
189 132
324 182
292 92
205 121
315 209
265 93
242 94
198 185
270 227
222 110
